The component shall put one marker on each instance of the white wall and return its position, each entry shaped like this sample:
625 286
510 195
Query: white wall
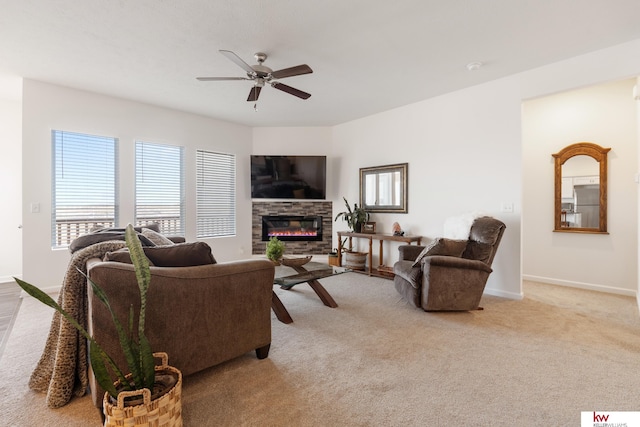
48 107
463 151
604 114
11 178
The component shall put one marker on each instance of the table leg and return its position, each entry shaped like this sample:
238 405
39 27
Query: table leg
370 255
278 308
322 293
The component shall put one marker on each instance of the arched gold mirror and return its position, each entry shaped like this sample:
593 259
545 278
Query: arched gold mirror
581 189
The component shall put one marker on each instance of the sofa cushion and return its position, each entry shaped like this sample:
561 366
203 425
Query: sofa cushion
442 246
177 255
478 251
157 238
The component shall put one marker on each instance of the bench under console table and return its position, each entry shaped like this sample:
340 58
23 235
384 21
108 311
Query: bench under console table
382 270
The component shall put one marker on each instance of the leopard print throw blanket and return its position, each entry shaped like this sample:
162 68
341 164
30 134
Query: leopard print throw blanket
62 369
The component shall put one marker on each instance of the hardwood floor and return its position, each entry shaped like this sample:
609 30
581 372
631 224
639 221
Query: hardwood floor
9 305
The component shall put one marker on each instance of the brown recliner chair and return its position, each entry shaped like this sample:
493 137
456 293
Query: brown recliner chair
452 276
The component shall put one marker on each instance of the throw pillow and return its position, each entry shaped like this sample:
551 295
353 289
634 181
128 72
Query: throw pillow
180 254
177 255
157 238
442 246
121 255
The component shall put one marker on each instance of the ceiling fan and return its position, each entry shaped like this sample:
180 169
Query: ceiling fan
261 75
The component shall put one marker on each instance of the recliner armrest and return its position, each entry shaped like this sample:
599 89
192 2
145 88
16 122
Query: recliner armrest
455 262
409 252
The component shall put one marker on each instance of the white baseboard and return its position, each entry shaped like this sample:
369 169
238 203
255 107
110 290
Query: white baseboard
52 291
8 279
581 285
503 294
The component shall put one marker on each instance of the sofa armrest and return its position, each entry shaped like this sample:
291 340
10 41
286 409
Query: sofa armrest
409 252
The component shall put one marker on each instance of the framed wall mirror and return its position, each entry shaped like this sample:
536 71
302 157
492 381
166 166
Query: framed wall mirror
581 189
384 188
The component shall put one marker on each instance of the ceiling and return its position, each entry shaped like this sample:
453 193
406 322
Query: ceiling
366 56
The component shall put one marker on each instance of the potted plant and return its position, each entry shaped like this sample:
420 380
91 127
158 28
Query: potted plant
275 249
354 217
332 258
142 377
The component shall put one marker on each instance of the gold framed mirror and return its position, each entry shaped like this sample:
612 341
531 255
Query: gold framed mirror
581 189
384 188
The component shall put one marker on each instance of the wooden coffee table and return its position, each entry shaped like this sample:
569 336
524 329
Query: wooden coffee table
310 273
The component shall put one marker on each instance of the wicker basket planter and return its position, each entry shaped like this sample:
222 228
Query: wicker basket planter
140 409
355 260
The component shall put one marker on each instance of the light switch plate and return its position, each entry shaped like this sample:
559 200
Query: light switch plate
507 207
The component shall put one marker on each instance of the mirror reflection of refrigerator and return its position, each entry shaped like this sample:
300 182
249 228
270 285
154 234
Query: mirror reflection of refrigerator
587 203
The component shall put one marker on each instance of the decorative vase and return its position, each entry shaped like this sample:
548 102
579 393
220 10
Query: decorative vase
355 260
139 408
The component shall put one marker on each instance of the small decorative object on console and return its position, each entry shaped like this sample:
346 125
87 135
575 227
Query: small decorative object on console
369 227
397 231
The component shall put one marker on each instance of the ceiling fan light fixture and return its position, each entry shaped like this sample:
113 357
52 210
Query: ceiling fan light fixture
260 74
473 66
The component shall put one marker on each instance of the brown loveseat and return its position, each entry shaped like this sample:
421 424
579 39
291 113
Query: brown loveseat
200 315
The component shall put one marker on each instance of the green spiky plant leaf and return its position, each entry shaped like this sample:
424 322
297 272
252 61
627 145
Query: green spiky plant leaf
353 216
137 352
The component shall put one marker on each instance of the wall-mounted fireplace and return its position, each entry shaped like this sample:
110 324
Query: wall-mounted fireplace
293 228
302 245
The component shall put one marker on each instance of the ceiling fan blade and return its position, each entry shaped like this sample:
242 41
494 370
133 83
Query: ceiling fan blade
214 79
291 90
293 71
254 93
236 59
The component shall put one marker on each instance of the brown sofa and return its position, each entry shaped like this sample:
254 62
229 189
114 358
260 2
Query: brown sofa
452 274
200 315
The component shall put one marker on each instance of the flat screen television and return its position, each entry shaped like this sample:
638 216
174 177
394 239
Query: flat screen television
288 177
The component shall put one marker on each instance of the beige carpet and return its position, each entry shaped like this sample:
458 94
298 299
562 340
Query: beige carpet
374 361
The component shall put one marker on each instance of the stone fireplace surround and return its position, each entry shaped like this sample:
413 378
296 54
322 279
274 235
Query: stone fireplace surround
321 208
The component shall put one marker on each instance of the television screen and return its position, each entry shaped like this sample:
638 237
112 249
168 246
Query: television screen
288 177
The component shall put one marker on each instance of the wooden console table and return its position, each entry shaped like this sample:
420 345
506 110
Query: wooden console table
381 270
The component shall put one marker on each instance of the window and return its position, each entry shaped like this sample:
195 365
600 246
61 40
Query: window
84 184
215 194
160 186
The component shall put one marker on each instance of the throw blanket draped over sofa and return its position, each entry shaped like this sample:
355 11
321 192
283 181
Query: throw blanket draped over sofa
61 371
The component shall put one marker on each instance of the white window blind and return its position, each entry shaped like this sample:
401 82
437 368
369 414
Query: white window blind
160 186
84 185
215 194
